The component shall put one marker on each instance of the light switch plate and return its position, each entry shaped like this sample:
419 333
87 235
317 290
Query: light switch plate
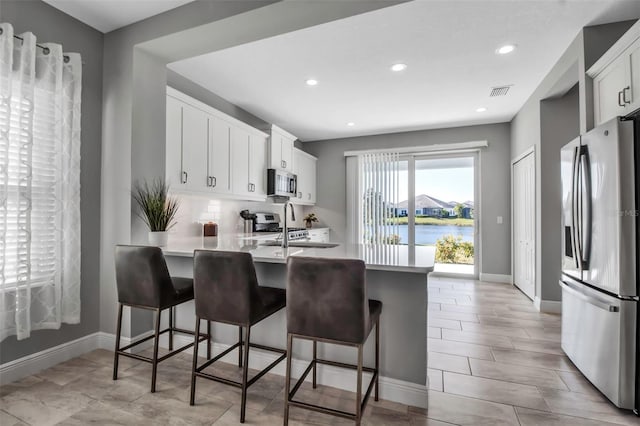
499 220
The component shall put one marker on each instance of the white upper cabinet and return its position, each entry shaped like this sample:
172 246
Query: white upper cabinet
219 156
186 144
281 149
305 169
210 152
616 78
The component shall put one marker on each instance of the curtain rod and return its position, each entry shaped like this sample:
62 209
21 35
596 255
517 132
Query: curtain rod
435 148
45 49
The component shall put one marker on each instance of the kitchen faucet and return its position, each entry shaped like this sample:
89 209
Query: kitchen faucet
285 232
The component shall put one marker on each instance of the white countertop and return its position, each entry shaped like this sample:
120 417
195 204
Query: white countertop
384 258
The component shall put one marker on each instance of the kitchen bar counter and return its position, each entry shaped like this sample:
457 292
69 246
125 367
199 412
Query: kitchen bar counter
382 258
396 275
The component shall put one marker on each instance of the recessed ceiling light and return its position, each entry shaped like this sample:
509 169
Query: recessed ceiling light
351 124
398 67
311 82
481 109
507 48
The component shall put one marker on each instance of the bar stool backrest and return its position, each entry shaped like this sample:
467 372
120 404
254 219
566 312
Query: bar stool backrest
225 286
327 299
142 276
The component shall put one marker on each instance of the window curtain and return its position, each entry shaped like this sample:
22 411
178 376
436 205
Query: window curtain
40 91
372 197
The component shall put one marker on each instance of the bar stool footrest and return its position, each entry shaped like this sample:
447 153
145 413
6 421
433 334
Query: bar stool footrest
121 351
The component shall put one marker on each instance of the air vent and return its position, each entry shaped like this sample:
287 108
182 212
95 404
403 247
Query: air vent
499 91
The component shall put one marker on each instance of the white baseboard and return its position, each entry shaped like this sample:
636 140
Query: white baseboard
496 278
34 363
390 389
547 306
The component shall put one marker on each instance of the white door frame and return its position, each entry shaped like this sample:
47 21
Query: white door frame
529 151
477 252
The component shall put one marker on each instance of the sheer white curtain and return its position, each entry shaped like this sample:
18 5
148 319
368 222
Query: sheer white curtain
40 89
372 197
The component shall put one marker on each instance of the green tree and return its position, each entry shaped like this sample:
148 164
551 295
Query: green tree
459 209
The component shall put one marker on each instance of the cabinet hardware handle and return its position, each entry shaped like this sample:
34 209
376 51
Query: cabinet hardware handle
285 164
185 177
214 181
620 100
624 95
253 187
208 180
249 187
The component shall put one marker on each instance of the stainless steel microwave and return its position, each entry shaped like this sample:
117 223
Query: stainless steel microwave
281 183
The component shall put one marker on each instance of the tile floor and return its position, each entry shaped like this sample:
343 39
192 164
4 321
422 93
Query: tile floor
493 360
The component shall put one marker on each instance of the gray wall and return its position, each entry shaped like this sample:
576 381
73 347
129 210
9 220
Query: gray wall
49 24
495 179
535 125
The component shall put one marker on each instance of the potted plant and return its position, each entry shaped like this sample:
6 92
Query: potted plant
157 209
309 219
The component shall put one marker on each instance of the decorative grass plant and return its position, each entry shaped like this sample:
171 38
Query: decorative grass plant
157 209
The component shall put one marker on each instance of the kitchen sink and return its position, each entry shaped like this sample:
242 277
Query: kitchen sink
309 244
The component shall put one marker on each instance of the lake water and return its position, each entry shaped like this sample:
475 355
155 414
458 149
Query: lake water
428 234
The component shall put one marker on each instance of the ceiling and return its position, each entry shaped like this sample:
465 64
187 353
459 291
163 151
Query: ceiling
109 15
448 46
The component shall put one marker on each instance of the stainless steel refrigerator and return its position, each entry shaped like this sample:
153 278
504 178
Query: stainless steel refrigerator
600 308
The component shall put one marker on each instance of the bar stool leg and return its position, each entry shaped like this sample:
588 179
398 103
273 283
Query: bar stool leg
208 340
171 328
240 346
315 356
376 395
359 388
245 371
154 362
116 354
194 365
287 383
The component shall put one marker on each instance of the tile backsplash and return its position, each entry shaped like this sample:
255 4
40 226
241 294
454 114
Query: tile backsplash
195 210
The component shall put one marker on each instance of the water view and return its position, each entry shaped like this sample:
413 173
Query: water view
429 234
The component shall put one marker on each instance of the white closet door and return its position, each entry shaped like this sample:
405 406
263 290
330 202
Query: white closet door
524 210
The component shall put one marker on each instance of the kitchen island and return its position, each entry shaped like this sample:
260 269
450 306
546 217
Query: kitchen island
396 275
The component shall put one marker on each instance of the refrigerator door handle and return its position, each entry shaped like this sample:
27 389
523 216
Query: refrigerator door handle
575 234
585 198
589 299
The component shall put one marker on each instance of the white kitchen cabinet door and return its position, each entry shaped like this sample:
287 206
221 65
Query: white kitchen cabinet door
608 90
195 131
524 225
281 151
312 179
305 170
219 156
240 161
173 164
258 165
631 96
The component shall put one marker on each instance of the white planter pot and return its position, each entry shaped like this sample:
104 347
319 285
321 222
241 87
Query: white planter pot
159 238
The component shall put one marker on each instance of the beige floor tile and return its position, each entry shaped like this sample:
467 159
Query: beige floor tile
516 373
477 338
547 333
440 361
469 411
494 390
459 348
578 383
530 417
378 416
435 298
595 407
434 332
533 359
425 421
7 419
494 329
511 322
433 307
535 345
458 316
443 323
103 414
486 310
435 379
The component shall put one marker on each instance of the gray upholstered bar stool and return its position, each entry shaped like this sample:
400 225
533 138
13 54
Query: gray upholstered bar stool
144 282
327 302
227 291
